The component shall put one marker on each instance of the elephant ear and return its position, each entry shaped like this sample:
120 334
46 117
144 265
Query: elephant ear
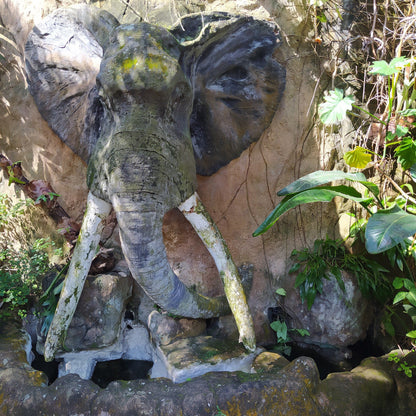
237 83
63 56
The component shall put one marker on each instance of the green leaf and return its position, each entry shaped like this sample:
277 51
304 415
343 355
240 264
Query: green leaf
408 112
411 296
390 136
281 291
401 131
322 18
398 282
412 172
321 177
406 153
389 327
335 107
302 332
399 263
321 194
294 268
300 279
310 298
388 228
399 297
411 334
280 328
386 69
357 158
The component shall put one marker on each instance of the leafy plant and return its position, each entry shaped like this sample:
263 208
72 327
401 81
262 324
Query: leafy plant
283 338
21 273
329 257
389 226
9 210
49 300
219 412
282 331
402 365
46 198
24 265
407 297
336 106
312 266
386 228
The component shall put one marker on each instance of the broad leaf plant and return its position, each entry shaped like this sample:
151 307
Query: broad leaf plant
391 227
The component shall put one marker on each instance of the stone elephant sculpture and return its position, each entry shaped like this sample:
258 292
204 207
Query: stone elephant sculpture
148 108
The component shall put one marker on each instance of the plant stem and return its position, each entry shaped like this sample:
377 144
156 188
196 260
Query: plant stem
368 113
397 187
51 286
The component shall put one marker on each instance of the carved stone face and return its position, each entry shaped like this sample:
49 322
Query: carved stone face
237 86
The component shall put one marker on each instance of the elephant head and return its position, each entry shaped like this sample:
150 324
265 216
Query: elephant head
148 108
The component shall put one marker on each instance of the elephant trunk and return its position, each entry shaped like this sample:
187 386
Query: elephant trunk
144 249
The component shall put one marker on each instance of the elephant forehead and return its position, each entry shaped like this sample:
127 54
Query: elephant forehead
140 56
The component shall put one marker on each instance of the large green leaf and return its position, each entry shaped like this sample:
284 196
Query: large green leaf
386 69
406 152
321 194
388 228
357 158
321 177
335 107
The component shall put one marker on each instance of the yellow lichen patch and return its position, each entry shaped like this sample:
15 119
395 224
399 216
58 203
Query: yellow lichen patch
37 378
129 63
156 63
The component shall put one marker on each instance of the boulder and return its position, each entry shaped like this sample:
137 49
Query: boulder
188 358
97 320
337 319
165 329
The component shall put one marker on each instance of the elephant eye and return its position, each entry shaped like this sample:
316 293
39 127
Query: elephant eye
238 73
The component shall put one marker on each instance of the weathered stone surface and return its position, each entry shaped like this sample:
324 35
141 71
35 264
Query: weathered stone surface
237 84
132 344
373 388
22 127
97 320
268 361
165 329
191 357
337 318
73 110
368 389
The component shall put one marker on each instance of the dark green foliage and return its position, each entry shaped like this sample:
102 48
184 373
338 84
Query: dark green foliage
329 257
21 273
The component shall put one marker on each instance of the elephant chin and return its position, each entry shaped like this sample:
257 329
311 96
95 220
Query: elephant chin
144 249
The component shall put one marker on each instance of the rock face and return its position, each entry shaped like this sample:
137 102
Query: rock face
337 318
275 389
97 321
191 357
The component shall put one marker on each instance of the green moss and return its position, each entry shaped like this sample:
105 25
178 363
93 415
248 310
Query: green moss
245 377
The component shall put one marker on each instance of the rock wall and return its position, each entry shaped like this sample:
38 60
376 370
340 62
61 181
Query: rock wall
240 195
275 387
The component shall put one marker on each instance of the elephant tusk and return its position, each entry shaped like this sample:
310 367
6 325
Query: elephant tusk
195 212
84 253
